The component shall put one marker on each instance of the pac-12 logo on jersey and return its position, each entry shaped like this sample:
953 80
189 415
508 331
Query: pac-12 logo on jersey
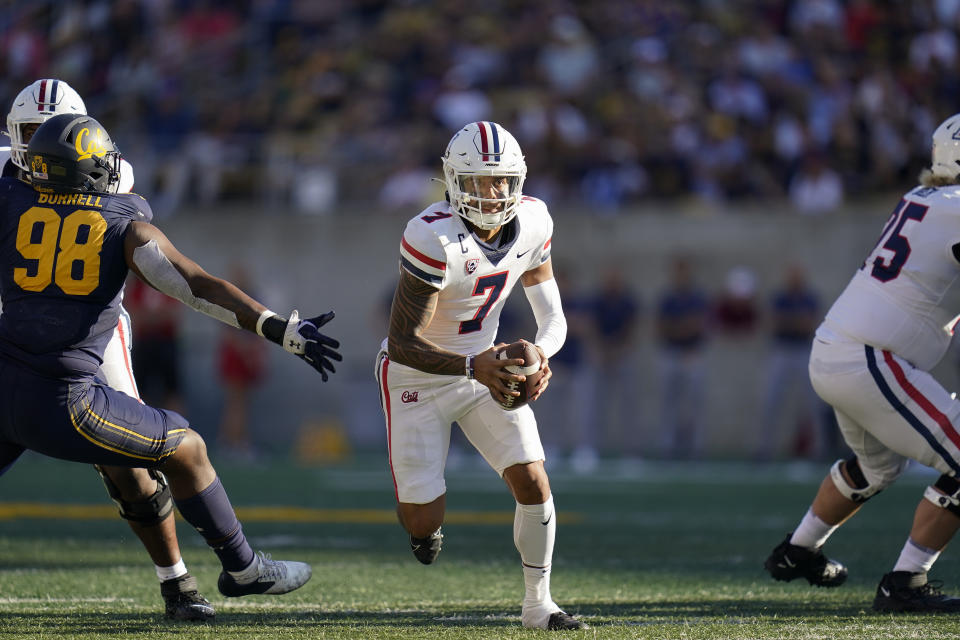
471 265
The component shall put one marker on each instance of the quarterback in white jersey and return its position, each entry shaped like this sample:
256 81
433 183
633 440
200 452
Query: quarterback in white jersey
459 261
142 495
474 278
870 360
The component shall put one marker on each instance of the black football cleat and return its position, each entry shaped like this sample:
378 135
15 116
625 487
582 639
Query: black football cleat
427 549
903 591
183 600
788 561
563 621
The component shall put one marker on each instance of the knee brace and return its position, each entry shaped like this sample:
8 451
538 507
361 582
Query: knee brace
949 499
862 489
149 511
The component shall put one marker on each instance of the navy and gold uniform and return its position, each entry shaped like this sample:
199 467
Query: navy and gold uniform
62 269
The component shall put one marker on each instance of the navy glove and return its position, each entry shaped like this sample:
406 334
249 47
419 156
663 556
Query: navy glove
302 338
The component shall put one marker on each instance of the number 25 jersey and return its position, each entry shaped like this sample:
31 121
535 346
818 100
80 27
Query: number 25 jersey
474 279
894 301
62 269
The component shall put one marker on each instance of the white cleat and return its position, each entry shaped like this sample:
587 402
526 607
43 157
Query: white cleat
274 577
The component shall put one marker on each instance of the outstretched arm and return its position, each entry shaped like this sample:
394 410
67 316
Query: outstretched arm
414 304
151 255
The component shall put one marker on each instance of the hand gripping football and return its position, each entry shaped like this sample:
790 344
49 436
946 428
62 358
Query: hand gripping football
530 369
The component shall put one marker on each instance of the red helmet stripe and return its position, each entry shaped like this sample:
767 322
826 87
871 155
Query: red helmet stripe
43 95
483 140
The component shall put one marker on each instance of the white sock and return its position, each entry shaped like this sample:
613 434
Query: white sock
534 531
248 575
812 532
171 572
915 558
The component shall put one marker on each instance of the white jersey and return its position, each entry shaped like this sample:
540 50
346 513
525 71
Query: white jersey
126 177
894 300
126 171
474 280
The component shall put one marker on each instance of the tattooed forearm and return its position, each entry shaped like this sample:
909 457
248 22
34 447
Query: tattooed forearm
413 306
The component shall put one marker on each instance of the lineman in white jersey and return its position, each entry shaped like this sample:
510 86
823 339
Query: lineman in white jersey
870 360
459 260
142 496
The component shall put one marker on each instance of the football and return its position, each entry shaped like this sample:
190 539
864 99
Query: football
530 369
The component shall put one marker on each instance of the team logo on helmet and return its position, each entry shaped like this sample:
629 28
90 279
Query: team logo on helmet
90 144
38 168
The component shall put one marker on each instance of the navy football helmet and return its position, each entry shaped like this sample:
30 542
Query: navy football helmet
73 153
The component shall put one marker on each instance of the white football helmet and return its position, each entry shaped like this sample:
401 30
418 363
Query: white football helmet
945 156
484 149
37 103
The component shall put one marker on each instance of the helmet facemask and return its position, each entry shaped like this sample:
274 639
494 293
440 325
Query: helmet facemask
488 201
484 172
105 176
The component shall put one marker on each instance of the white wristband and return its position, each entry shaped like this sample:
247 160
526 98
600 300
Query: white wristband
469 367
263 318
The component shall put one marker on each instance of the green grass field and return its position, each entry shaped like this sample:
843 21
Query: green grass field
643 551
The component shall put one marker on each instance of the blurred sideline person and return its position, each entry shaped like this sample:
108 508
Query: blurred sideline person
242 367
682 314
871 360
615 313
572 410
157 323
139 493
67 242
459 260
795 312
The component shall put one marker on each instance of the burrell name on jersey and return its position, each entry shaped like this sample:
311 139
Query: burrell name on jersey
474 279
893 301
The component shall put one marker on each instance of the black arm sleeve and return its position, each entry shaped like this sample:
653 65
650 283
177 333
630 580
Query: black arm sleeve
273 328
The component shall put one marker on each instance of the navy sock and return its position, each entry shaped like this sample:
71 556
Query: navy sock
211 514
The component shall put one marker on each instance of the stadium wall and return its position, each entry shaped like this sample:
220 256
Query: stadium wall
348 263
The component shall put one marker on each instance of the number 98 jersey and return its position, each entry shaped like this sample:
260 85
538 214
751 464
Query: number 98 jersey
62 269
474 279
894 300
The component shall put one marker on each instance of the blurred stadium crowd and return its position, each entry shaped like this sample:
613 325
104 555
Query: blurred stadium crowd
306 105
